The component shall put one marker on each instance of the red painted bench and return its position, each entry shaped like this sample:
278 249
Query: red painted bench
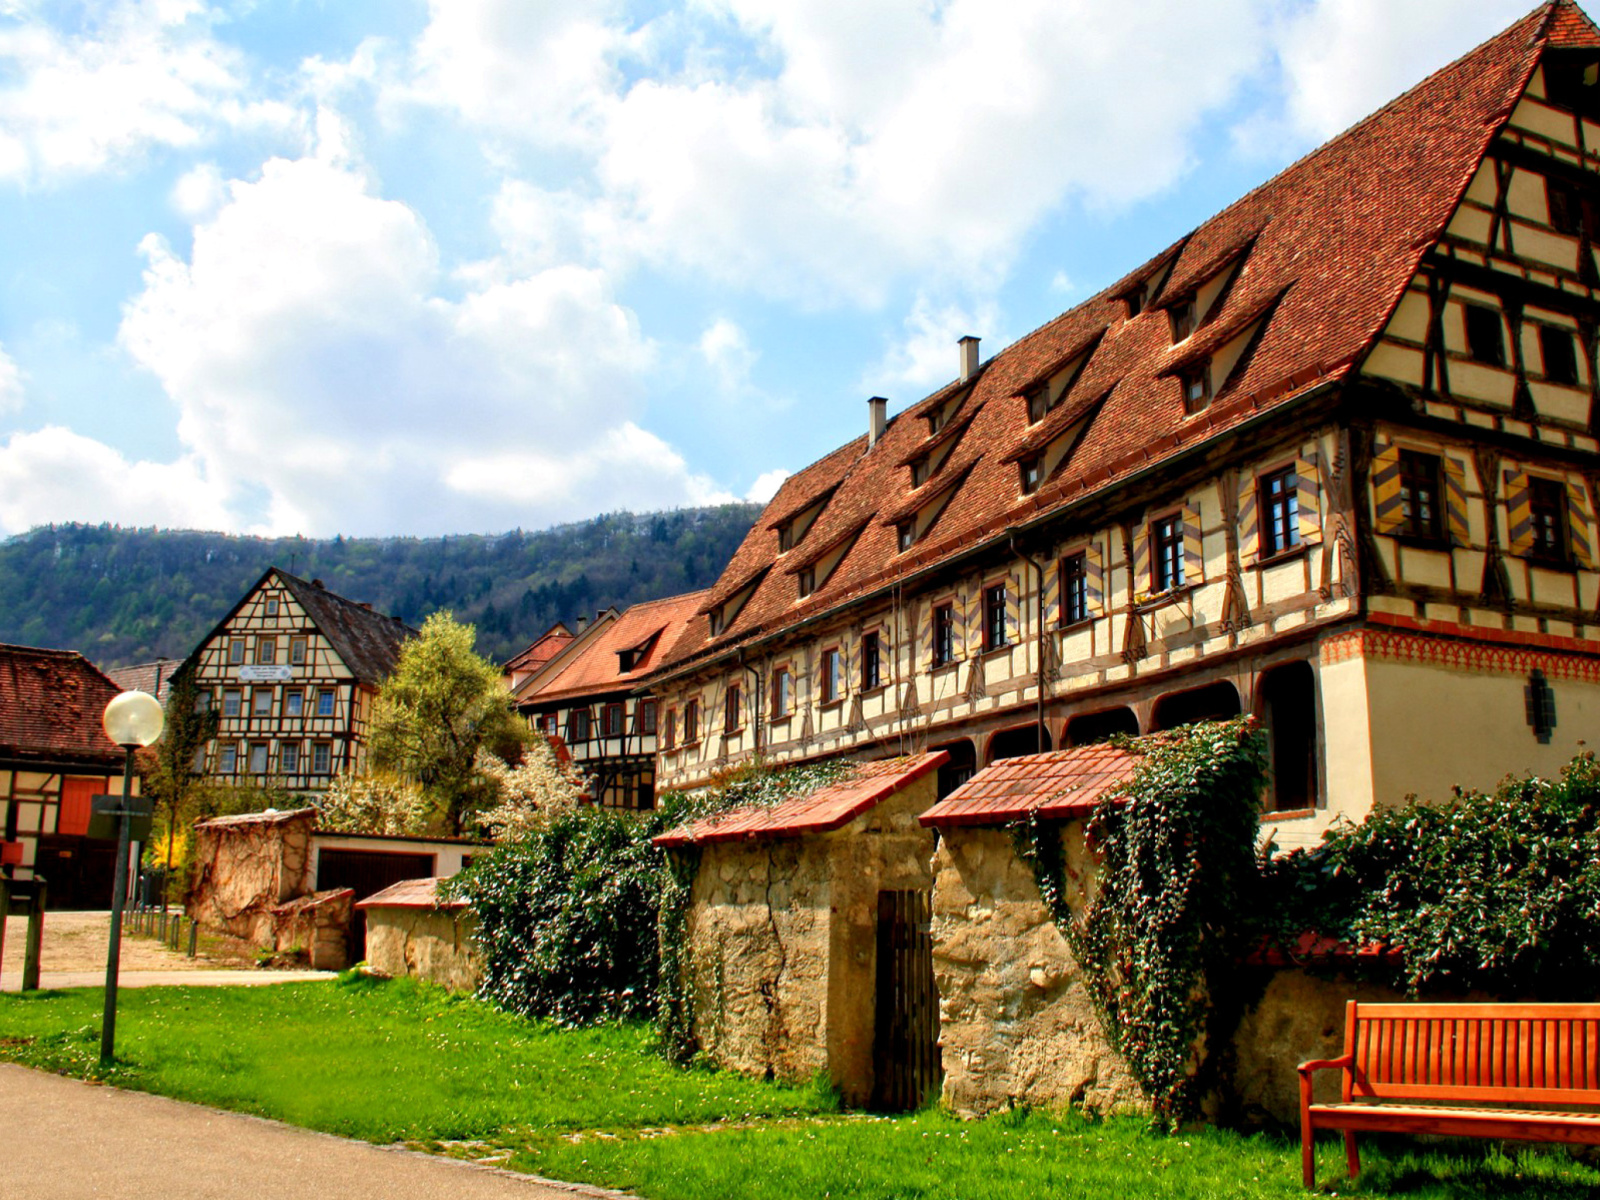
1462 1070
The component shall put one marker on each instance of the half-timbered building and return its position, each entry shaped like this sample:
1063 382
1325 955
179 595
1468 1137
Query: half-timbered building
293 672
1331 458
589 697
54 759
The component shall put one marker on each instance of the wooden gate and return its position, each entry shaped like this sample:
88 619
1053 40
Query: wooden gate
905 1044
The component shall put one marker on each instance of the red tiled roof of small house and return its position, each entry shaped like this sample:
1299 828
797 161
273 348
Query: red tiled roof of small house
828 808
51 703
645 632
1056 785
1323 251
545 647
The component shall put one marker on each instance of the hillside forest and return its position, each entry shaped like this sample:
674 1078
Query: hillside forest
123 596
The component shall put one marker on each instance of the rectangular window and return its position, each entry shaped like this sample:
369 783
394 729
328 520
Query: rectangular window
294 704
1038 404
944 635
258 758
266 651
1196 383
785 536
669 730
647 717
935 420
236 650
1280 513
232 702
552 724
806 581
919 471
1547 507
325 700
202 702
1486 340
1166 549
732 709
611 720
1074 589
1182 317
1032 474
261 702
289 758
1419 496
871 660
578 725
1566 210
691 721
782 692
1557 348
272 608
322 758
905 535
227 759
829 681
297 651
995 634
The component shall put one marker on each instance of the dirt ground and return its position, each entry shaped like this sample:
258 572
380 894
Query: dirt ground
76 941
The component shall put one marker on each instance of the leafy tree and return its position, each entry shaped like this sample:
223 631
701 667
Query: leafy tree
168 767
441 706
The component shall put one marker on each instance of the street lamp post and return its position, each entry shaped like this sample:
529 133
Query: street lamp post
131 720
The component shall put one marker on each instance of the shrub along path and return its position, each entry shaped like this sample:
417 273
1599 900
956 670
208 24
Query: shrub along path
398 1063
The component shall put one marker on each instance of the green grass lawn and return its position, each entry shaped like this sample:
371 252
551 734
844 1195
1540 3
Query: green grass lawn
400 1062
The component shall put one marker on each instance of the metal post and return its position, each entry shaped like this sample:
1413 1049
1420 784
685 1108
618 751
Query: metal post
119 895
5 911
194 934
35 947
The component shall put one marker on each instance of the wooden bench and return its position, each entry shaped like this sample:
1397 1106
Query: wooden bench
1460 1069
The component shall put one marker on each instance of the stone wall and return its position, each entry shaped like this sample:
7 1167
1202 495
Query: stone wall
317 926
1017 1022
782 942
247 864
429 943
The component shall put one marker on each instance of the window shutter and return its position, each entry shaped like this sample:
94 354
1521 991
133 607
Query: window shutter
850 670
969 635
1578 525
1094 580
925 636
1455 501
1141 563
1194 565
1519 512
1013 611
1249 522
1388 509
1308 499
1052 594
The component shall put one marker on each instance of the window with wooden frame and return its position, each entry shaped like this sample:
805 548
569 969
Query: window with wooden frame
1032 471
551 724
266 651
944 634
611 720
871 660
322 758
1571 213
714 617
645 717
260 757
1166 553
1420 508
669 730
1038 404
1547 511
806 581
272 608
1279 505
261 702
936 418
691 722
578 725
202 702
905 535
920 469
1182 316
733 709
1195 381
227 759
1074 576
289 758
297 651
236 650
830 684
326 698
1486 339
294 703
781 689
1134 298
785 536
232 702
1558 350
995 634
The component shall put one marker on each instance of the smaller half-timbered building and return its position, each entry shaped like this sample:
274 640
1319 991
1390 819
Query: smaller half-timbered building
293 672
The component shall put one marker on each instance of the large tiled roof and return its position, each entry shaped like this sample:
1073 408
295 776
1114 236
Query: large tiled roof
1327 248
369 642
154 679
51 702
652 627
829 808
545 647
1057 785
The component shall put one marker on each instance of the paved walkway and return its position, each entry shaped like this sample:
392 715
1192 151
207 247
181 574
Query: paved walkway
61 1139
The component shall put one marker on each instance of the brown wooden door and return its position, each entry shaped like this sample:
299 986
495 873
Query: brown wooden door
905 1045
368 872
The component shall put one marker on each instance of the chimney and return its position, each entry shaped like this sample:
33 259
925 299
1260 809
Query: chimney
969 357
877 419
581 623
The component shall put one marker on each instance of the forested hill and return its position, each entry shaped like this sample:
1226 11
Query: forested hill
122 596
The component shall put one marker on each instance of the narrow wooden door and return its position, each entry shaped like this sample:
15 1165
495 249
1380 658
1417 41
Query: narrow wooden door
905 1046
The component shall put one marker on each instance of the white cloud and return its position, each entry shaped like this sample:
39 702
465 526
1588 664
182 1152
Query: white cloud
928 355
315 361
199 191
136 74
766 485
11 391
728 354
54 475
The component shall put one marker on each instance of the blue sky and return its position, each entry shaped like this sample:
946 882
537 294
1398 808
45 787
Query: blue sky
337 266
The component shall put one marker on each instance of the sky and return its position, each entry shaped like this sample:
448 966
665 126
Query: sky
398 267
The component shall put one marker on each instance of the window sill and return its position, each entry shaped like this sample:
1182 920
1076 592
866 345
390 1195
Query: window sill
1413 541
732 733
992 651
1170 596
830 705
943 666
1073 626
868 693
1288 814
1283 556
1560 566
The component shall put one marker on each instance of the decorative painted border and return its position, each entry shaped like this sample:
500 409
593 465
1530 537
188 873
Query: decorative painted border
1476 658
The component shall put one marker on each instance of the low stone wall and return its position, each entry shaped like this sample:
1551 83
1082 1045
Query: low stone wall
410 933
247 865
317 926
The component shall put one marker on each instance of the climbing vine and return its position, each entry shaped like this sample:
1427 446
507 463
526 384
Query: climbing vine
1162 927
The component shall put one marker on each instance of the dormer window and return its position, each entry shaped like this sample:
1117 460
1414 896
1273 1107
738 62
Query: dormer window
806 581
1135 300
1182 316
936 417
717 621
1032 474
905 534
626 660
1038 404
1196 384
785 536
920 470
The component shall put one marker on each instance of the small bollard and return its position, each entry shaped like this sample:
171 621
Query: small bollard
194 934
30 963
5 911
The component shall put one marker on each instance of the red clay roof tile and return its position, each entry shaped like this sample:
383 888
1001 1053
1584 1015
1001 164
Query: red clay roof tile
652 626
51 703
1063 783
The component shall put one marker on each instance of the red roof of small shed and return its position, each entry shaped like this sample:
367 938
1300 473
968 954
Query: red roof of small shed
821 811
1064 783
410 893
